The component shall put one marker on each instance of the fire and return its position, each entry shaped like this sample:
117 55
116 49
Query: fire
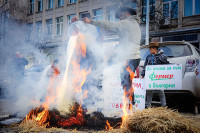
41 117
124 109
108 127
79 75
127 97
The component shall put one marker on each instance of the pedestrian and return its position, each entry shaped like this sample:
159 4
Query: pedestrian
128 50
19 64
55 68
156 57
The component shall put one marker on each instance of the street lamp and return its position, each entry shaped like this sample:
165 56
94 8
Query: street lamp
147 24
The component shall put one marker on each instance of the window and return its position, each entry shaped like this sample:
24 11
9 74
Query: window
98 14
60 3
31 6
72 1
49 25
151 8
30 30
170 8
39 29
50 4
84 14
59 25
40 5
171 51
111 16
192 7
69 18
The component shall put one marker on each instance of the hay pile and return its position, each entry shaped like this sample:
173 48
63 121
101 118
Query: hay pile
32 126
161 120
152 120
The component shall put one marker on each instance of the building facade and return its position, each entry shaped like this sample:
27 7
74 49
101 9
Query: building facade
48 20
173 20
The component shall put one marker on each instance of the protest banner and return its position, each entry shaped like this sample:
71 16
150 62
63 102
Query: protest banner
113 92
139 93
163 77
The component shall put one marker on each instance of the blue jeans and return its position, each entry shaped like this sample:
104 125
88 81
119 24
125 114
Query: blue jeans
126 81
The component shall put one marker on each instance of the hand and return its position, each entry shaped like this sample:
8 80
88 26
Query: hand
74 19
86 20
141 77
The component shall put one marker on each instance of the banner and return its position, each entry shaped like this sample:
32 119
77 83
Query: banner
139 93
113 92
163 77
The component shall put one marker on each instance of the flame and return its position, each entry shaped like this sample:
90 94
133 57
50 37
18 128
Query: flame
124 109
81 47
127 97
132 74
107 126
41 114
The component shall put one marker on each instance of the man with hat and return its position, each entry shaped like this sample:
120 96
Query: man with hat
156 57
128 49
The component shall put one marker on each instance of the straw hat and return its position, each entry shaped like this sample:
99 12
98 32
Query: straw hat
153 44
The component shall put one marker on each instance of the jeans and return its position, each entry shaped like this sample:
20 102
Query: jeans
149 97
126 80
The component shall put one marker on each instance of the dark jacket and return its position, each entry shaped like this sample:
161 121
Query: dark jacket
157 59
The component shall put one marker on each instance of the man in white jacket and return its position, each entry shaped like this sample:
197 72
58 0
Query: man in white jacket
128 50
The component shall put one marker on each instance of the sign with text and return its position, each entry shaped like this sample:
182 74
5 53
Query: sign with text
139 93
163 77
113 92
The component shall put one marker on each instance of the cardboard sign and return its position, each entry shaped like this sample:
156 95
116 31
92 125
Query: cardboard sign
139 93
113 92
163 77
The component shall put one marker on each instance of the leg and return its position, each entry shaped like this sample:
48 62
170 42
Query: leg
161 94
132 64
149 97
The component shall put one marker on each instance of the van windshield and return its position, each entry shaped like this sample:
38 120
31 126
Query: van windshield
170 51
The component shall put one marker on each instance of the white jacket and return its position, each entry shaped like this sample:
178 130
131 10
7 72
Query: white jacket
129 36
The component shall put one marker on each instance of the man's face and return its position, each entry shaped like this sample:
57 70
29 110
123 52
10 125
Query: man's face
122 15
153 50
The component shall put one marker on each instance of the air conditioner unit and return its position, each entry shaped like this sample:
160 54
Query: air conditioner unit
167 21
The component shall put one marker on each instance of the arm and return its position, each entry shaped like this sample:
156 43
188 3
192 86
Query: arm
114 26
163 59
144 68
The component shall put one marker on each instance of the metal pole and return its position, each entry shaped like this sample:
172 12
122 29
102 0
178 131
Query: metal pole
147 23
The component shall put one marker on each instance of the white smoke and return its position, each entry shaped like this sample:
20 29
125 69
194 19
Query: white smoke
29 93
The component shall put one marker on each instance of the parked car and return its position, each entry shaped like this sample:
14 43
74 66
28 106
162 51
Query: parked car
180 52
37 71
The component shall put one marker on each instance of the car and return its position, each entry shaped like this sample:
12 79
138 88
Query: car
37 71
179 52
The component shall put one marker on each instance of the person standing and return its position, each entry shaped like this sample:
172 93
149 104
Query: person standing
156 57
128 50
19 64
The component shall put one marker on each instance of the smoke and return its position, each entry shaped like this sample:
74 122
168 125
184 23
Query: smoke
18 89
27 92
